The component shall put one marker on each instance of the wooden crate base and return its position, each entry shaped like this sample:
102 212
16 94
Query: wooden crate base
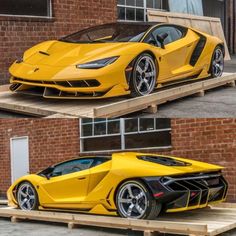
114 107
203 222
3 202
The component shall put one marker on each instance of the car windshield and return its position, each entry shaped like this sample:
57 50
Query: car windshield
115 32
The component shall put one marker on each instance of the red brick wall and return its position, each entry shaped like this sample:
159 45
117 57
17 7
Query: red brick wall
18 34
50 141
210 140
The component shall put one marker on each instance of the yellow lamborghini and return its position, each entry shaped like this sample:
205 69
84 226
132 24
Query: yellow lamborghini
132 185
117 59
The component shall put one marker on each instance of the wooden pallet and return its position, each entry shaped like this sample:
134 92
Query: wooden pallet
204 222
3 202
115 107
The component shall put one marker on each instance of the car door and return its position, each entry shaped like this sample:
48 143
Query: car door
176 53
68 182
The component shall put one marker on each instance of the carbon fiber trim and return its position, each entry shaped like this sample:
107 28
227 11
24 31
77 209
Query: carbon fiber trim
198 50
189 191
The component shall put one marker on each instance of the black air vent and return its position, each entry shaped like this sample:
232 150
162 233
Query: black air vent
198 50
166 161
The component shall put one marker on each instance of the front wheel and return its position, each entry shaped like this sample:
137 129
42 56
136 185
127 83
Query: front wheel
144 76
27 197
134 200
217 63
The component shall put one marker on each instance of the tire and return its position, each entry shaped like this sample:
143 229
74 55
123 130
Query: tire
27 197
144 76
137 204
217 63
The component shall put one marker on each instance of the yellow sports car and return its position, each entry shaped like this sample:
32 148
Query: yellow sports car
117 59
134 185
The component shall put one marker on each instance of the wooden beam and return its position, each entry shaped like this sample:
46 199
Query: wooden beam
133 105
210 25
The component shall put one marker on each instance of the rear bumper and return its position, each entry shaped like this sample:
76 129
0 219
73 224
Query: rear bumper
182 193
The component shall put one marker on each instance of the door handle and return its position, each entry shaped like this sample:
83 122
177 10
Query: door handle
81 178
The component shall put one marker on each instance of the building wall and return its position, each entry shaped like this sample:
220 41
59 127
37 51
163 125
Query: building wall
51 141
19 33
210 140
230 24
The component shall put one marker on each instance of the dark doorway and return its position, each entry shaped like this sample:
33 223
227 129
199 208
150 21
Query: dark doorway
215 8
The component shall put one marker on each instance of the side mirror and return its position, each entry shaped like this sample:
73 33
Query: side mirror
161 38
48 176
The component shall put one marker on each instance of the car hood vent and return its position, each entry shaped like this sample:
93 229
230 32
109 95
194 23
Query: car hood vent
166 161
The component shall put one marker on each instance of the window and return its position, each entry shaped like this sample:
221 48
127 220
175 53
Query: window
174 34
135 10
113 32
187 6
71 167
26 7
99 135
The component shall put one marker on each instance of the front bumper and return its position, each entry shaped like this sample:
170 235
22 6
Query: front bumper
188 192
81 89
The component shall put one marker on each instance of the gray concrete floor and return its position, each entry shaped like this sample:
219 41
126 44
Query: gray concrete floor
220 103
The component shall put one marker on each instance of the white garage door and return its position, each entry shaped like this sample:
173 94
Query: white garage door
19 157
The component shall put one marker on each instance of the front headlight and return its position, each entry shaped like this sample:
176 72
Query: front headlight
97 64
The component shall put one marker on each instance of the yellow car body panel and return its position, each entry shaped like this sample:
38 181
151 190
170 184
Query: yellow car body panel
47 64
94 190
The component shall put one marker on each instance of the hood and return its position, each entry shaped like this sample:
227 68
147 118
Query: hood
58 53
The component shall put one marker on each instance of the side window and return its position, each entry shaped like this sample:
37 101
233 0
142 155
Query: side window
174 33
99 160
72 166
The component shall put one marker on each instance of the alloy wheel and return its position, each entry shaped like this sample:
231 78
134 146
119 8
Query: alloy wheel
26 197
218 63
132 201
145 75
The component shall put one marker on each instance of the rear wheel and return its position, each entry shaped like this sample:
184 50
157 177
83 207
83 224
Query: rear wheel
27 197
217 63
134 200
144 76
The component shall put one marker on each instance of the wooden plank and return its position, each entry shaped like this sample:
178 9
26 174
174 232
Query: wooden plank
210 25
113 107
158 98
4 88
3 202
107 222
224 205
197 222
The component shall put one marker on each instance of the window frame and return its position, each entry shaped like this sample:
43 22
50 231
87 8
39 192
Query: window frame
122 134
94 159
49 16
145 8
182 29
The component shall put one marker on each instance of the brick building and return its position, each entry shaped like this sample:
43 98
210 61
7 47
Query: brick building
54 140
23 23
